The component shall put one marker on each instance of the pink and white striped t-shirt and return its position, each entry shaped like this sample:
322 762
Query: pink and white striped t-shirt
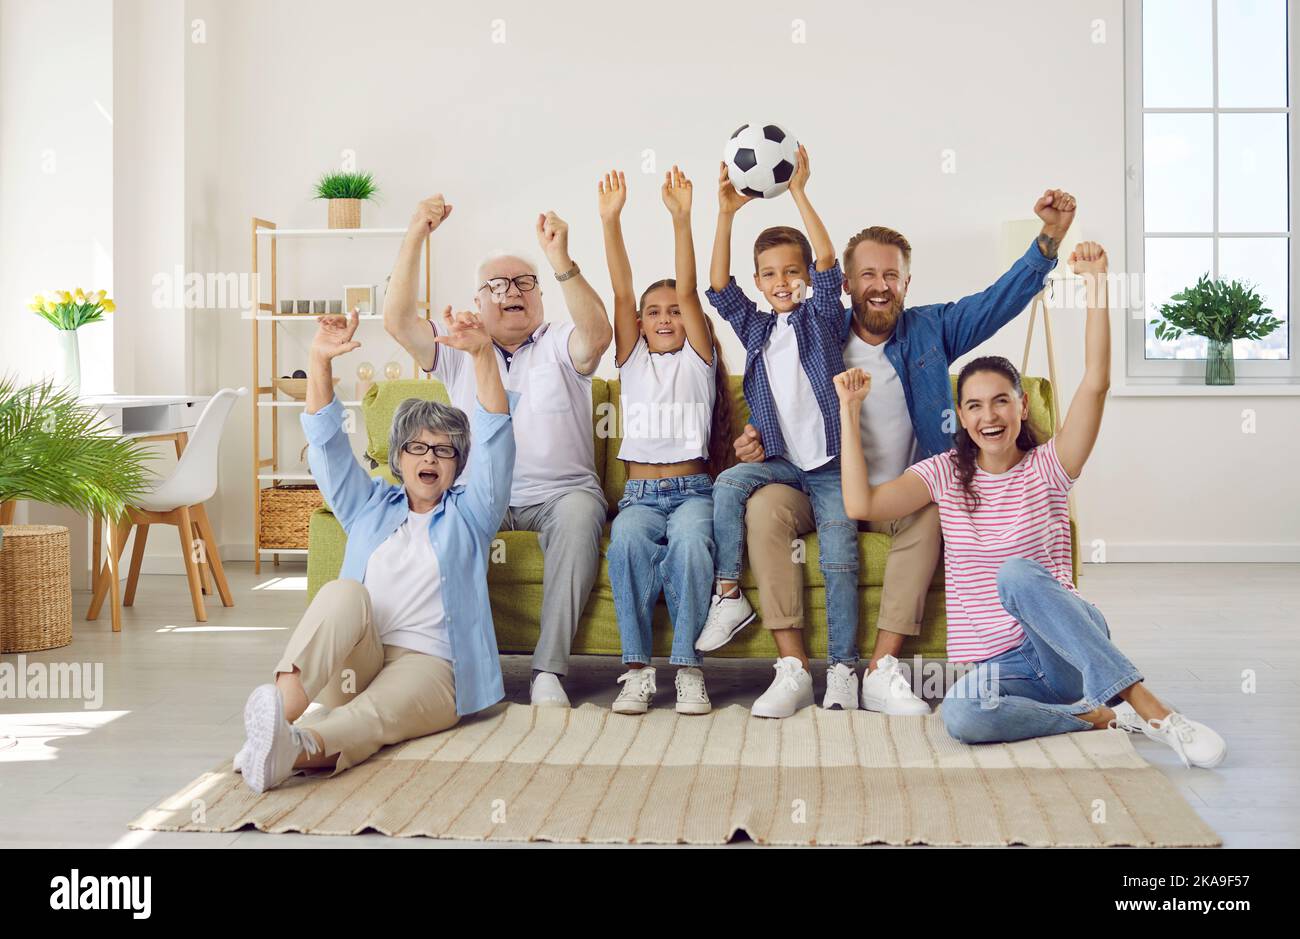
1022 513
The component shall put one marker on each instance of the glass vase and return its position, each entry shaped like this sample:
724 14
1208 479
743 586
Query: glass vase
1220 367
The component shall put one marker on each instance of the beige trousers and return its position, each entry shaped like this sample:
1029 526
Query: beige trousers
776 515
376 694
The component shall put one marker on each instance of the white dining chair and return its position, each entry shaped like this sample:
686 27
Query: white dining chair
177 499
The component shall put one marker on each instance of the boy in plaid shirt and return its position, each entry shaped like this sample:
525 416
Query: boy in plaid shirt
793 355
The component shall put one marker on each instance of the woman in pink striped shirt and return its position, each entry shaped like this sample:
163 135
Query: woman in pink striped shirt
1044 660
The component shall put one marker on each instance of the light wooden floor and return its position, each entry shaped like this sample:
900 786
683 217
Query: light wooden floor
174 695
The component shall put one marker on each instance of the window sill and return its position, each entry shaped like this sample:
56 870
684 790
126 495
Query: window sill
1170 390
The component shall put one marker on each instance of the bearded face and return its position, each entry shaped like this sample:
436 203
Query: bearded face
877 282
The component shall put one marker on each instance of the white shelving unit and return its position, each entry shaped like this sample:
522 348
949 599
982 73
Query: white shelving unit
266 400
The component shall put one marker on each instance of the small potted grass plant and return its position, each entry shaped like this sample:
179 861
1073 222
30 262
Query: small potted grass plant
67 311
1221 311
345 192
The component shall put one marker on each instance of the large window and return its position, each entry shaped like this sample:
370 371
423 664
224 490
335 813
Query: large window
1209 133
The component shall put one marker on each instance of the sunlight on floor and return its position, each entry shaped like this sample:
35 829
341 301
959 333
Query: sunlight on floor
219 629
37 733
283 583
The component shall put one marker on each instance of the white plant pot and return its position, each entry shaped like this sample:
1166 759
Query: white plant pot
69 374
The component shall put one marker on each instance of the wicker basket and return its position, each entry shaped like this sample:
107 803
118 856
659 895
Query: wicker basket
345 213
286 515
35 588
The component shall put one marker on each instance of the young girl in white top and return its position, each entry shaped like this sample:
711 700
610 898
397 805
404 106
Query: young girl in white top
675 409
1045 662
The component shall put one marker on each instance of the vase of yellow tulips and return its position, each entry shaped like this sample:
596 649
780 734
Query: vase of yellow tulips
67 311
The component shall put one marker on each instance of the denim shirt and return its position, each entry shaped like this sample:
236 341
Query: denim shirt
461 530
927 339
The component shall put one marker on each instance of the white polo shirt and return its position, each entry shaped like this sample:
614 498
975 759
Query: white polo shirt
797 410
554 452
888 438
666 405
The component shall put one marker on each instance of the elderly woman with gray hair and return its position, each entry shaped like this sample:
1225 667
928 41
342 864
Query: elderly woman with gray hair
402 644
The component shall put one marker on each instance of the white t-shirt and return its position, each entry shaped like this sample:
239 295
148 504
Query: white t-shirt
1022 513
405 585
666 405
797 411
888 439
554 452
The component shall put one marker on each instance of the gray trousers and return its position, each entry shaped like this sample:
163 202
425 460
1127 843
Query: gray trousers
568 528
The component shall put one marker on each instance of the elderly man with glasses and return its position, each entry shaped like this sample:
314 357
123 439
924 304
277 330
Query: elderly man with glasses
556 491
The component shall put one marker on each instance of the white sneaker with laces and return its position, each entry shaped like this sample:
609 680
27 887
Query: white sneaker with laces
1126 719
841 688
1195 744
638 691
727 616
887 690
547 692
791 690
692 696
273 743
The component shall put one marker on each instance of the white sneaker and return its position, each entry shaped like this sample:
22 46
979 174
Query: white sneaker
273 744
238 762
692 696
638 691
547 692
886 690
727 616
841 688
1127 719
791 690
1194 743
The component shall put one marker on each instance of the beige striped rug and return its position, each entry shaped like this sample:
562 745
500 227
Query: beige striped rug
833 778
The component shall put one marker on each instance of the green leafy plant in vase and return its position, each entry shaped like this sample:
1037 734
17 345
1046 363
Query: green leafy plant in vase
1221 311
345 192
57 451
67 311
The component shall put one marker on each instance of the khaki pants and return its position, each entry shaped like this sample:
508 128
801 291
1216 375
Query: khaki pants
776 515
377 694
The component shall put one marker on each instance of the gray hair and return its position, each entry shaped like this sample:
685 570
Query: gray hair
414 415
500 255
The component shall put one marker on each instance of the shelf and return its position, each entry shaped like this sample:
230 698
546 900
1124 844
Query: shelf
272 477
1273 390
281 550
306 317
301 404
331 232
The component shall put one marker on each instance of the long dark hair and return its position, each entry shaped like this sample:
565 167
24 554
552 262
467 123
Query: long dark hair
967 449
721 454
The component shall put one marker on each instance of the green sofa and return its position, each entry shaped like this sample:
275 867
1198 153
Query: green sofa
515 583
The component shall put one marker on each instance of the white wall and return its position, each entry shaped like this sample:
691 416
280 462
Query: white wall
1021 98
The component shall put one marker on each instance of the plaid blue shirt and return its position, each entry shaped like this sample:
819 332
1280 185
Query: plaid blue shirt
821 328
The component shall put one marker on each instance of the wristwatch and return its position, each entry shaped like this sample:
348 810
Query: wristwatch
572 272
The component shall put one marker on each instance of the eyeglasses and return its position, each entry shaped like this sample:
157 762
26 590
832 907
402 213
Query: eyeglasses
419 448
499 286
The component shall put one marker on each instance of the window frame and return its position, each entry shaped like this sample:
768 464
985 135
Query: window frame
1139 369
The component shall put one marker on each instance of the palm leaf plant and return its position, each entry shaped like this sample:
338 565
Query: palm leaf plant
1221 311
57 451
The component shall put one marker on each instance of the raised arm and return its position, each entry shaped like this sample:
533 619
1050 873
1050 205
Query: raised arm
823 247
677 193
343 483
895 499
1078 434
611 196
971 320
729 203
402 318
465 331
592 333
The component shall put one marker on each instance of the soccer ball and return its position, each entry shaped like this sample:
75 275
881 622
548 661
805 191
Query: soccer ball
761 159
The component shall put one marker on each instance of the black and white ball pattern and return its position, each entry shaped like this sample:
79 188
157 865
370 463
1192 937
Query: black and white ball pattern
760 159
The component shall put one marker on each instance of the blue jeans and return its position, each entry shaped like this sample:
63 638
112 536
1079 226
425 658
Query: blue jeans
1066 666
662 540
837 538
